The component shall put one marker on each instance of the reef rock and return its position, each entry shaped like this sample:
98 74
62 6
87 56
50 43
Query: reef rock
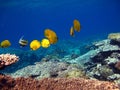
104 63
102 48
114 37
48 69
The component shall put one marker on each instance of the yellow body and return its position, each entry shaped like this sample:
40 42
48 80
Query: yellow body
51 35
45 43
76 25
71 31
35 44
5 44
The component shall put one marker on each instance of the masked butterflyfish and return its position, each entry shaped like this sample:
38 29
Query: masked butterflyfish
76 25
45 43
35 44
51 36
5 44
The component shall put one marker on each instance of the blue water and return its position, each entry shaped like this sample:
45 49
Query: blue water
31 17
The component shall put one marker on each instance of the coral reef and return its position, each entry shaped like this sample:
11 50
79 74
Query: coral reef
105 63
7 59
115 38
65 60
76 73
48 69
8 83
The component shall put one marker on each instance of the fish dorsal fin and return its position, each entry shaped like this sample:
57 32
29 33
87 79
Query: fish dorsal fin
21 38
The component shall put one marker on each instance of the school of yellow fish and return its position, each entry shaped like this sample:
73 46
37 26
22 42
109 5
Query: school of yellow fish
50 38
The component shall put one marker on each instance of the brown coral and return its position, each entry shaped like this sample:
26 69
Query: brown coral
8 83
8 59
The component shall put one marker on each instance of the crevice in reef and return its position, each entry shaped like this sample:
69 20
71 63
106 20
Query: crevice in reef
100 57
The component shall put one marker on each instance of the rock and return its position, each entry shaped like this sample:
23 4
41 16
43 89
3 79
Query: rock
101 43
113 77
105 72
75 73
44 70
114 36
117 65
104 48
110 60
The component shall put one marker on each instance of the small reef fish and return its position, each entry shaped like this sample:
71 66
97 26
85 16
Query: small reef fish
51 36
45 43
35 44
71 31
5 44
76 25
22 42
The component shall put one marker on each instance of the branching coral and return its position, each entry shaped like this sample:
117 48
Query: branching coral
7 59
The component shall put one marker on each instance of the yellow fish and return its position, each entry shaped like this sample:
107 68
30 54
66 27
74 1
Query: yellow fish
5 44
51 36
34 45
45 43
22 42
76 25
71 31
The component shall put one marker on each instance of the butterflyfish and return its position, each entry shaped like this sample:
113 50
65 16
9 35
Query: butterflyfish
5 44
45 43
35 44
76 25
51 36
71 31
